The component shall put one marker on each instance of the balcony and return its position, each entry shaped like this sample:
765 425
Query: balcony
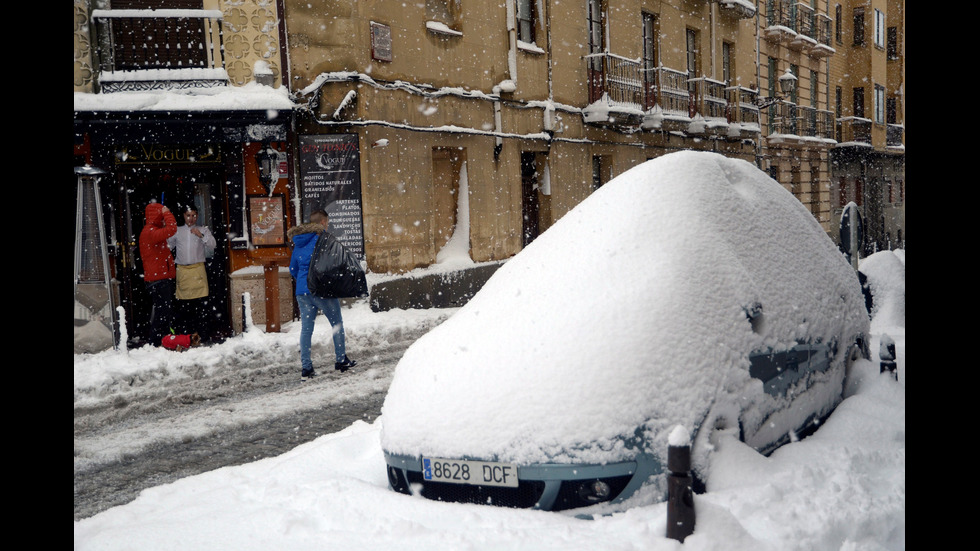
784 123
616 90
780 20
807 125
895 136
743 113
669 103
825 125
854 131
799 27
159 49
805 28
824 28
710 107
742 9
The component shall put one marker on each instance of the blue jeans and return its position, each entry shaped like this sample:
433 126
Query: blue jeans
309 305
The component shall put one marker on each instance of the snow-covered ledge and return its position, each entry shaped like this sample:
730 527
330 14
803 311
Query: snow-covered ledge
529 47
439 27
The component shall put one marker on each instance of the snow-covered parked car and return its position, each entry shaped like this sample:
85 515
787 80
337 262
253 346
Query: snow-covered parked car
692 290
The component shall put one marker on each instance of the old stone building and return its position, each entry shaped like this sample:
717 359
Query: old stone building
416 124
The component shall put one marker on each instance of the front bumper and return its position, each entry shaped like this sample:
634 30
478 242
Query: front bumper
549 487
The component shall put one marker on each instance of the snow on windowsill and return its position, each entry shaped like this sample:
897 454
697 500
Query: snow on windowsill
529 47
441 28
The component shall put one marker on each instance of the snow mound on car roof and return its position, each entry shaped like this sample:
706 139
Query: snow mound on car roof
630 311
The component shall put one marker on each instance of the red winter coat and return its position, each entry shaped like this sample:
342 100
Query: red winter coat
158 263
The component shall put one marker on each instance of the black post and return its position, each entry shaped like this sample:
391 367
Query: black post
245 311
886 353
680 497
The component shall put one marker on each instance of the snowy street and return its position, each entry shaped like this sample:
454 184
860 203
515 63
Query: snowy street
161 416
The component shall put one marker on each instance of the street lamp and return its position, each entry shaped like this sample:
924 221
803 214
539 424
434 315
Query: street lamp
787 82
787 85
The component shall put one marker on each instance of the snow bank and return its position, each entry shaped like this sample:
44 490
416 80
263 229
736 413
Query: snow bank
886 277
628 313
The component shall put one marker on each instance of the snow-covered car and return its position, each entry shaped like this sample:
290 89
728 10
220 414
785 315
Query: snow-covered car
692 290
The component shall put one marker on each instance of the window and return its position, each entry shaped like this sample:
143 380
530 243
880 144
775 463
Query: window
859 102
859 191
842 192
692 54
891 110
727 63
650 59
890 189
444 16
839 22
526 20
859 26
596 25
814 78
600 170
892 42
879 104
879 29
596 22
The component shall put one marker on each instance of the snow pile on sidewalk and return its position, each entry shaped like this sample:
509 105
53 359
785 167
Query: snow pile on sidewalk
103 375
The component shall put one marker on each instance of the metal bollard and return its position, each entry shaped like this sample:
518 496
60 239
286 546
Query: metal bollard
680 496
886 353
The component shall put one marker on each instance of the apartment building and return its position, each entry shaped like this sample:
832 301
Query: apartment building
530 105
868 87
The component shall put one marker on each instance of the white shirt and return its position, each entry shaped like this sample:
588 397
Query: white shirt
191 249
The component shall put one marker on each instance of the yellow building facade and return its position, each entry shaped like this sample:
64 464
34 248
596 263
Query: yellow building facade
411 122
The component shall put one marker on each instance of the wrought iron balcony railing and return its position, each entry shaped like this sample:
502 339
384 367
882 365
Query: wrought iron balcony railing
669 92
781 13
616 78
825 124
895 135
173 48
854 130
783 118
709 97
807 125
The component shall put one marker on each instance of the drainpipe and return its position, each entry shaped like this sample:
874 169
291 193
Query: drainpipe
711 25
507 85
512 35
758 87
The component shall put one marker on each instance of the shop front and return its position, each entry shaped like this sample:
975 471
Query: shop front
208 162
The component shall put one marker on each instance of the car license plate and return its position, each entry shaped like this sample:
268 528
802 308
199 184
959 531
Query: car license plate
479 473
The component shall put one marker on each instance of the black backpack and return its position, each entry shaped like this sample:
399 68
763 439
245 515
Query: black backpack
334 271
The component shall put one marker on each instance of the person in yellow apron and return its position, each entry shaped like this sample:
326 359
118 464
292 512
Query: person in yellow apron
193 244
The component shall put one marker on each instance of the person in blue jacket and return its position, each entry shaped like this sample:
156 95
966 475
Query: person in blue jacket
304 238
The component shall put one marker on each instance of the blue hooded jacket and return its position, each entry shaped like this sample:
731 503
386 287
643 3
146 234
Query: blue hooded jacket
304 242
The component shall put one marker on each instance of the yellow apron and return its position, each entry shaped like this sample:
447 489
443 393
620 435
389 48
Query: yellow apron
192 281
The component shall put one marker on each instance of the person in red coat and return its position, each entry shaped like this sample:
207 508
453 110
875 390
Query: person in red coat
159 270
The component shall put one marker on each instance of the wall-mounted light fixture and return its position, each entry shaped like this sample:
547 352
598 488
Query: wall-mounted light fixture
787 84
267 160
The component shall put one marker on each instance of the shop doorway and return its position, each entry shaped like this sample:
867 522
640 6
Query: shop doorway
175 187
